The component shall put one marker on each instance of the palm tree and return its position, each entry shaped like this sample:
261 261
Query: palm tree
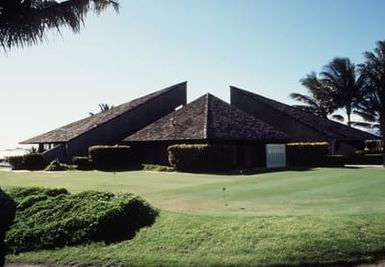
317 102
25 22
372 105
340 75
103 108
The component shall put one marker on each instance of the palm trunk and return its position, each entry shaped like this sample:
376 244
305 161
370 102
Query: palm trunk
348 113
382 134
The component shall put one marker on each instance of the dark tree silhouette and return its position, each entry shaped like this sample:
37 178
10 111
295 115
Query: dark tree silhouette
103 108
25 22
7 215
344 84
317 101
372 105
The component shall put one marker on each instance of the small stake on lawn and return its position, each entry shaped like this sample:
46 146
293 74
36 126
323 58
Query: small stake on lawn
224 195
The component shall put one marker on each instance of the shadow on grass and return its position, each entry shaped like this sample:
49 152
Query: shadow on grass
254 171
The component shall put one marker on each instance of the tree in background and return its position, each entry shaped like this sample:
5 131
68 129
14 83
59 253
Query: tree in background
372 105
318 101
344 84
25 22
103 108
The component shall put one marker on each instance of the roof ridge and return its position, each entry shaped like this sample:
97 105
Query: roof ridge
207 106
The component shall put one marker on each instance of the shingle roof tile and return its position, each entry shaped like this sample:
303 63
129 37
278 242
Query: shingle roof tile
207 118
75 129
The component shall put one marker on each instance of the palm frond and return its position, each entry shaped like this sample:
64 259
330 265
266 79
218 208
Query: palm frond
338 117
25 23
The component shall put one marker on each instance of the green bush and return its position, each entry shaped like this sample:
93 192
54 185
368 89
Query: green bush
83 163
47 218
32 162
306 154
57 166
111 158
367 159
7 215
157 168
16 162
201 157
334 161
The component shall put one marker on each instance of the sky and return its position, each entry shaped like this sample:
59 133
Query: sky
264 46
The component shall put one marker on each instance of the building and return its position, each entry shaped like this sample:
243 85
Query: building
257 127
301 126
208 120
109 127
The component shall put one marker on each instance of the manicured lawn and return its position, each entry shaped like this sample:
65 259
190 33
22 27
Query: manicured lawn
318 191
292 217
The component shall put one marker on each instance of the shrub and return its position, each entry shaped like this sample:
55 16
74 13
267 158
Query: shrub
367 159
157 168
201 157
16 162
47 218
57 166
112 158
334 161
306 154
7 215
82 163
32 162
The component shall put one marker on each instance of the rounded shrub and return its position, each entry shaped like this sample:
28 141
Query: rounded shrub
7 215
48 219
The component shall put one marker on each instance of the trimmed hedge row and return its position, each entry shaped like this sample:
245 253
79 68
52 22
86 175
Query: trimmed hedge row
83 163
367 159
32 162
307 154
110 158
201 157
51 218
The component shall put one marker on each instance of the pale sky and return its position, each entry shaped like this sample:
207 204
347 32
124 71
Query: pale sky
265 46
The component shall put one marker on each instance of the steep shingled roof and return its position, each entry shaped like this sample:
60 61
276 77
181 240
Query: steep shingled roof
328 128
75 129
207 118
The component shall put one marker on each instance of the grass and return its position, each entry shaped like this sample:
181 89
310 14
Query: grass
320 216
318 191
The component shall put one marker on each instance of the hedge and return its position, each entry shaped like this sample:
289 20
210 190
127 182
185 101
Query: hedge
157 168
51 218
32 162
7 215
83 163
111 158
201 157
367 159
306 154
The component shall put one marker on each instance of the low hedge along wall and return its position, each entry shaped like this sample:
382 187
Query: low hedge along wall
32 162
83 163
307 154
367 159
201 157
112 158
51 218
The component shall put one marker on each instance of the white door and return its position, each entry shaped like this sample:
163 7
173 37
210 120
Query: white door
275 155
